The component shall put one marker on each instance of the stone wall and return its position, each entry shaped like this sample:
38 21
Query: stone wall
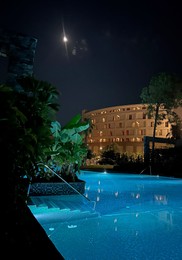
20 50
56 188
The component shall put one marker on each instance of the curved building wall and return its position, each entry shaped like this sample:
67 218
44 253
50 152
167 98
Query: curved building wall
124 127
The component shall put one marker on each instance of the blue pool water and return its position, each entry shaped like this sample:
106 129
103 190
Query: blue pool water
134 217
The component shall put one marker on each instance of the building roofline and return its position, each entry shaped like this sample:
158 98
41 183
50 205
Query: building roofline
113 107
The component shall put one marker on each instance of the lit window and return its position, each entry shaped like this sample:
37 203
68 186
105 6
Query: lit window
135 124
103 119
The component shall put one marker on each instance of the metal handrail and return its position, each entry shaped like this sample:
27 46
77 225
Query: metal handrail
64 181
146 168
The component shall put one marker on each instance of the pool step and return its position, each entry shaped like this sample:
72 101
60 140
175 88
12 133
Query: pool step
71 202
48 209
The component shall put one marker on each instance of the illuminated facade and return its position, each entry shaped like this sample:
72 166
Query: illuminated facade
125 127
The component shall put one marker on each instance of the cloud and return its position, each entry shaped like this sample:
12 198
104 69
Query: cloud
80 48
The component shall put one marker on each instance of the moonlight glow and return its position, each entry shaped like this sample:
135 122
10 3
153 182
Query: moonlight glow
65 39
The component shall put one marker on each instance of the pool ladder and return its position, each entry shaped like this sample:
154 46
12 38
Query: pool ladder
150 170
45 165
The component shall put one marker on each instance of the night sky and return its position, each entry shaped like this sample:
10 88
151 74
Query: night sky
113 48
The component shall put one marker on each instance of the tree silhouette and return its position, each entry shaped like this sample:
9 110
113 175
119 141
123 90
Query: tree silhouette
163 94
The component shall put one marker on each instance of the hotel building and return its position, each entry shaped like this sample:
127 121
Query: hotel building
125 127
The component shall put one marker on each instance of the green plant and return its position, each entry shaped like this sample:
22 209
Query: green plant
69 150
25 120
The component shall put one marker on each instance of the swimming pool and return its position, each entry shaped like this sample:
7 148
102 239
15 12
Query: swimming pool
133 217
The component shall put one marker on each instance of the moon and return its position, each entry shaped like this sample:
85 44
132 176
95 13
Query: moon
65 39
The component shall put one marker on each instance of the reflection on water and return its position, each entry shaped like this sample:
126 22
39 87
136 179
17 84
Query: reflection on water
160 199
117 194
139 218
122 192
